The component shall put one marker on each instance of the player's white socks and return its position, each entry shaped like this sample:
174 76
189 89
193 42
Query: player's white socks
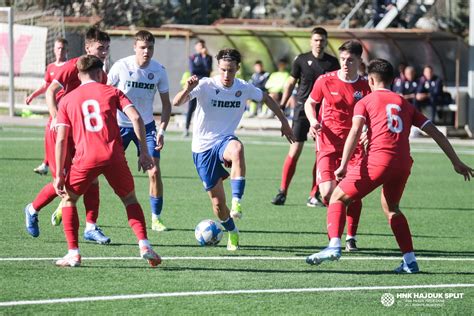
348 237
335 243
144 243
154 216
73 252
31 210
409 257
90 226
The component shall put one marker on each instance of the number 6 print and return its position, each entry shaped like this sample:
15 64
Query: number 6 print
394 122
94 115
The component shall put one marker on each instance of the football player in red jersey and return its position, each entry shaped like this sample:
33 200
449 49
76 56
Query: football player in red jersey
387 162
334 96
96 43
60 54
89 115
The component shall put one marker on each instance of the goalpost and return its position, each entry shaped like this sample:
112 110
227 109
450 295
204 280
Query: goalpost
26 47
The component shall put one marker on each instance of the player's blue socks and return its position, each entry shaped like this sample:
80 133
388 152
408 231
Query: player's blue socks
229 224
156 204
238 187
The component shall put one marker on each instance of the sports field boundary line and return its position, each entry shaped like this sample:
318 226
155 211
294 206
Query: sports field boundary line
229 292
235 258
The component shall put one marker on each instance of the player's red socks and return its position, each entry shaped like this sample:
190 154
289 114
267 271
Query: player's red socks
289 167
71 226
44 197
91 203
401 231
353 215
314 190
136 220
336 219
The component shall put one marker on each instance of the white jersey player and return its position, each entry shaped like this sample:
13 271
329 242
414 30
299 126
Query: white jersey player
220 105
140 77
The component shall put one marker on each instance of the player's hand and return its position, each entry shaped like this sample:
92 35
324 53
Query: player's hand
59 186
314 129
191 83
28 99
52 125
145 162
160 142
340 173
465 170
287 132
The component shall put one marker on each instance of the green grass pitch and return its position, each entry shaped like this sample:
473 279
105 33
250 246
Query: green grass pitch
437 202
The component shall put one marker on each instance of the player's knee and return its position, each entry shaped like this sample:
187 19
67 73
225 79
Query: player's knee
129 199
237 151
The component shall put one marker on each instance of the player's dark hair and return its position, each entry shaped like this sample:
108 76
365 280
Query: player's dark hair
427 66
353 47
319 30
62 40
87 63
200 41
382 69
96 35
258 62
144 36
229 54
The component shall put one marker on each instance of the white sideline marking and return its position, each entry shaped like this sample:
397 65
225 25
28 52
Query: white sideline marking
242 258
231 292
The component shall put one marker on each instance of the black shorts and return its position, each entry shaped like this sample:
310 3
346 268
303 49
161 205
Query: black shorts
300 124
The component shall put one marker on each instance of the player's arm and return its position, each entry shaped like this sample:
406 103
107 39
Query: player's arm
36 93
285 127
165 118
60 157
310 107
445 145
350 145
183 95
288 90
145 162
50 94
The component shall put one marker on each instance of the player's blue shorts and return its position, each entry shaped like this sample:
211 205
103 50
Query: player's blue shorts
209 163
128 135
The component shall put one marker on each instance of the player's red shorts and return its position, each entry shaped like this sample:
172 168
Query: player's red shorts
328 161
361 179
50 149
117 174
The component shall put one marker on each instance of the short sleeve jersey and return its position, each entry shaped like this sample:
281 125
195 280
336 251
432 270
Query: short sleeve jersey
306 69
140 86
389 118
337 98
51 70
91 113
219 110
67 77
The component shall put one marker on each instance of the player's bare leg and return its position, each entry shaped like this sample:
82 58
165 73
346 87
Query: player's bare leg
156 197
136 220
219 206
289 168
234 153
401 231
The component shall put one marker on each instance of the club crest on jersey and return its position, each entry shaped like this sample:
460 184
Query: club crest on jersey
217 91
238 93
151 76
358 95
130 73
310 62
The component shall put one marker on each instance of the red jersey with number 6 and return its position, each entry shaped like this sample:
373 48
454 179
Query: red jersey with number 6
91 112
337 98
389 118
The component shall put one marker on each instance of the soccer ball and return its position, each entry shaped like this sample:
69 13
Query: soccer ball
208 232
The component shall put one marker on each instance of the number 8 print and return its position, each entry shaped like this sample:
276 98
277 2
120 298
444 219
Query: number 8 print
394 118
94 115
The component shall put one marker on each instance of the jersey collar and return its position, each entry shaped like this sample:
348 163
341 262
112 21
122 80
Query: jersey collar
348 81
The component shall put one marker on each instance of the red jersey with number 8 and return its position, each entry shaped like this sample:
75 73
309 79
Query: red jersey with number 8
91 112
389 118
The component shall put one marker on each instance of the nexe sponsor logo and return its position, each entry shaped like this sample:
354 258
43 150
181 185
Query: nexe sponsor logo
225 104
140 85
